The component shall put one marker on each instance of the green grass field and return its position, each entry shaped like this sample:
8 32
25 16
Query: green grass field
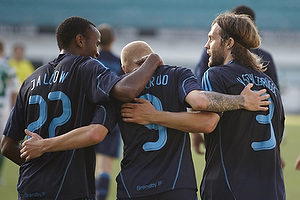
290 150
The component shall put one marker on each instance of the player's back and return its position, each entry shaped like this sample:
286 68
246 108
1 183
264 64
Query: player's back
243 152
55 99
156 158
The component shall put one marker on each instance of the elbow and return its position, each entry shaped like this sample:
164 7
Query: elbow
128 96
212 123
97 133
207 128
3 151
200 103
210 128
209 123
3 147
123 94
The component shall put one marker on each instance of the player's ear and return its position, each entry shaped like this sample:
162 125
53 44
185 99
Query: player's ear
230 43
125 69
80 40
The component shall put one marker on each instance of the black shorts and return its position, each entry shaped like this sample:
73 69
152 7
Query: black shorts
178 194
111 144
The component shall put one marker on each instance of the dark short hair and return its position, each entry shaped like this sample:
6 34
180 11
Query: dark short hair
107 34
242 9
69 28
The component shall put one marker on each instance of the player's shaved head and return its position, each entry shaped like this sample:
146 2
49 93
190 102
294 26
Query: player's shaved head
132 51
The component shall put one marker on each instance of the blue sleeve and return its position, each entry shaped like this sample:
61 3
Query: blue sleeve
106 115
187 83
211 81
15 125
102 78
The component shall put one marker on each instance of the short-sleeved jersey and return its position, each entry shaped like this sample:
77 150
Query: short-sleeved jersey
157 159
111 61
243 153
110 146
58 97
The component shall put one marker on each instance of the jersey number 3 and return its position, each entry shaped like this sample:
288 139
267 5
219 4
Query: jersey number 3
162 131
266 119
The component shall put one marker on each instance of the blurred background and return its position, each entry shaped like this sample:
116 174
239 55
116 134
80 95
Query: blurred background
176 29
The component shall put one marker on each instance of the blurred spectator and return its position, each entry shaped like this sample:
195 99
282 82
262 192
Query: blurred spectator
9 86
109 148
22 66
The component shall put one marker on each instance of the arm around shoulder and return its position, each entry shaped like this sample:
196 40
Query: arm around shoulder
78 138
130 86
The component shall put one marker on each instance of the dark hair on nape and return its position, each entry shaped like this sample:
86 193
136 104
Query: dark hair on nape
70 28
243 9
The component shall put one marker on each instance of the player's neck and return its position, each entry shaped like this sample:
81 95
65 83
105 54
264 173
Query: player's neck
228 59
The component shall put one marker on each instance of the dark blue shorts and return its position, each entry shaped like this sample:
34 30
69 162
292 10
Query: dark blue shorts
178 194
110 146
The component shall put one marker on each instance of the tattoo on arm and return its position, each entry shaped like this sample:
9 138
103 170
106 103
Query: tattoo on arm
221 102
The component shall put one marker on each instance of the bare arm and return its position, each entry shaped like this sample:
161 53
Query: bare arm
130 86
78 138
197 141
13 98
217 102
10 148
297 165
144 113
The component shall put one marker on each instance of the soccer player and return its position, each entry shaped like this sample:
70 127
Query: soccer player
157 161
243 152
9 86
109 148
58 97
265 56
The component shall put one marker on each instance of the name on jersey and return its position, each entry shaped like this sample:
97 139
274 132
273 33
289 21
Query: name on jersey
158 80
259 81
56 77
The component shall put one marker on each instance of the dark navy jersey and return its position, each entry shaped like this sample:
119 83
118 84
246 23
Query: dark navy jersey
242 153
58 97
111 61
110 146
157 159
